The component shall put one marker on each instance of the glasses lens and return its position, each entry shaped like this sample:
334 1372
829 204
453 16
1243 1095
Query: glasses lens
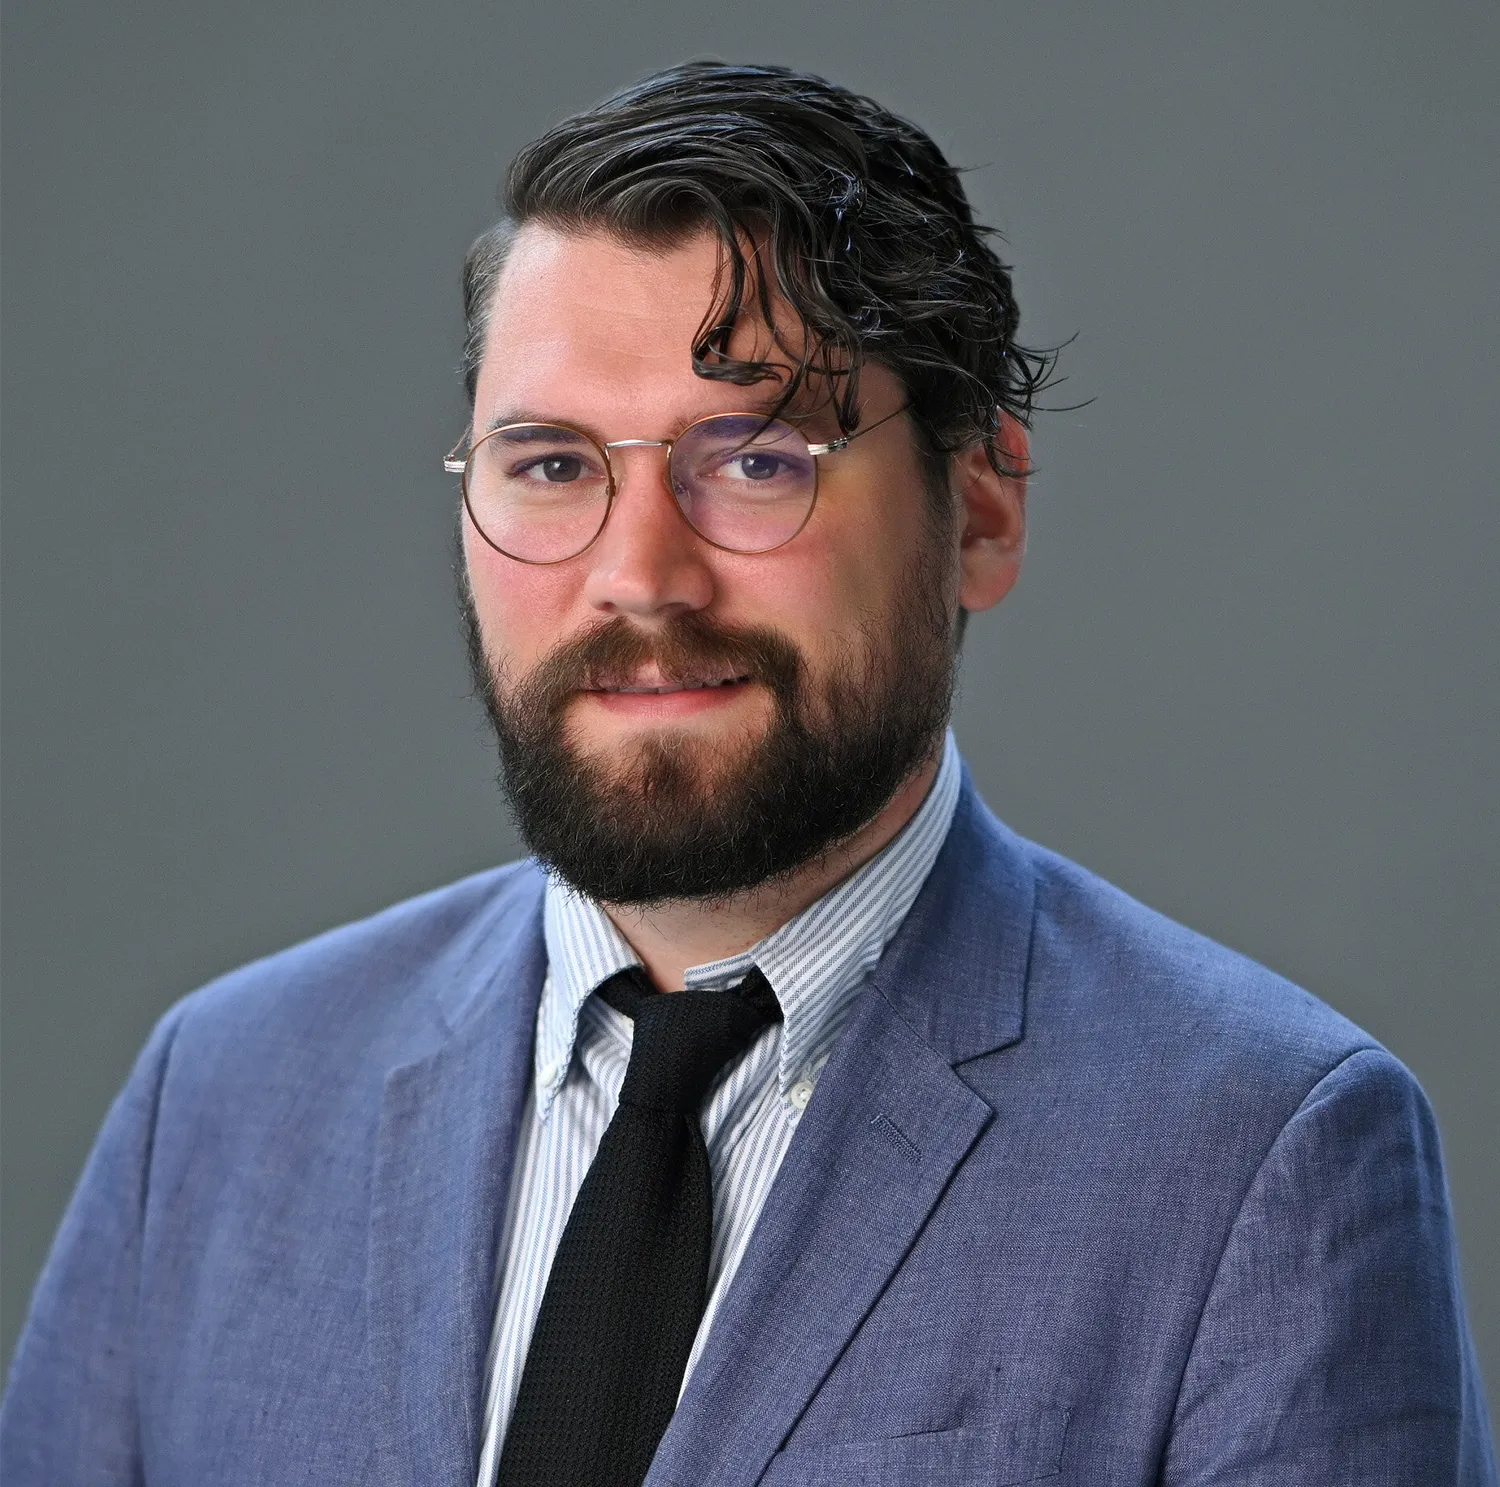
744 482
537 491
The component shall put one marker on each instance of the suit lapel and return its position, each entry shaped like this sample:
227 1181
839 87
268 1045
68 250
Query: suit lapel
890 1123
448 1130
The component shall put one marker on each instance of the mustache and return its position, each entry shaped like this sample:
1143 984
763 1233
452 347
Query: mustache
682 648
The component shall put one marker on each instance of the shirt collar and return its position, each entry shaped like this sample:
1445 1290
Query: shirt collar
815 962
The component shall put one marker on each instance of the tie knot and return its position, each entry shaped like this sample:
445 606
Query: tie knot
683 1039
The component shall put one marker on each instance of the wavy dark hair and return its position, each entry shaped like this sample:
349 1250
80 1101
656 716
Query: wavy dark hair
849 212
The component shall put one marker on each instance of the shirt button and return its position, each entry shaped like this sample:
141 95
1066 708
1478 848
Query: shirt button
800 1093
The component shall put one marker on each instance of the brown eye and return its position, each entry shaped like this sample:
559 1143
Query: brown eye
558 468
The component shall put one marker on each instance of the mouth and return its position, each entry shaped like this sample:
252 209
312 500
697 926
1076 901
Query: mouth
651 698
667 688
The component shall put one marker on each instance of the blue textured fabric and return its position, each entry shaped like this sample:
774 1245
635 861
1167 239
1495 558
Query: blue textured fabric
1081 1197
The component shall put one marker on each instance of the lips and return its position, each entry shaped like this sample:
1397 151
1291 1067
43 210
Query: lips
692 684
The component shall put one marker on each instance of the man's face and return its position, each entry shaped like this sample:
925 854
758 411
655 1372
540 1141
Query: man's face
829 656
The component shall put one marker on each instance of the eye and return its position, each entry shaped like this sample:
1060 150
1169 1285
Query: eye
553 469
759 466
755 465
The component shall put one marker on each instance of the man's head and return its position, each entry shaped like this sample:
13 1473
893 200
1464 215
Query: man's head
725 240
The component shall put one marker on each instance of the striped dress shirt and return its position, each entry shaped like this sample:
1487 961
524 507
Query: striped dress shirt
815 963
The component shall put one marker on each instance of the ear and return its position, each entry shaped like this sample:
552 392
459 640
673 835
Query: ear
992 539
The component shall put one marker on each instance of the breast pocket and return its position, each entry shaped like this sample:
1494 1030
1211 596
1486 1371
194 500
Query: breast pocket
997 1456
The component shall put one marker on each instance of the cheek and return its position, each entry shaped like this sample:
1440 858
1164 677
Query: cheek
848 573
520 607
820 593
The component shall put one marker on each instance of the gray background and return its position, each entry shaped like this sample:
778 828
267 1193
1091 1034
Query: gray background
1251 673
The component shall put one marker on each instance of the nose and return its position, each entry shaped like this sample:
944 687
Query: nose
647 563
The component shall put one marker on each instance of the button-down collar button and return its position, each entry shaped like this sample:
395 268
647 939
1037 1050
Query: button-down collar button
799 1094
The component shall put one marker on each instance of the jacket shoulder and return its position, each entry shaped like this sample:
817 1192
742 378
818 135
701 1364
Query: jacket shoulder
1166 998
377 982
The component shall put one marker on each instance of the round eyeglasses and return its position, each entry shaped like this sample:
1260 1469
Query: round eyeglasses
541 492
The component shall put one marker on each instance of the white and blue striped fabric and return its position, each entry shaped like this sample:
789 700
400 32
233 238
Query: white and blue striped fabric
815 963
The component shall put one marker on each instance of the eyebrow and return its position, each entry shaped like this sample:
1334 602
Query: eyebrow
761 406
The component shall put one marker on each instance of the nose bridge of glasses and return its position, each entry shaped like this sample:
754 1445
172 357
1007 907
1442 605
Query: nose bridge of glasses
618 473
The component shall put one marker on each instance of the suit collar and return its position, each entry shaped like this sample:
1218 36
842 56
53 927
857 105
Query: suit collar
474 973
957 970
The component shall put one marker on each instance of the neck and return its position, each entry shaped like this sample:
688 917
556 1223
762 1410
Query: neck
689 932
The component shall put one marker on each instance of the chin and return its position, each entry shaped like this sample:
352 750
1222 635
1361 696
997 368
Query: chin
628 757
597 736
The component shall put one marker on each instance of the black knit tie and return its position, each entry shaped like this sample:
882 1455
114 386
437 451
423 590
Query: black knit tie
630 1279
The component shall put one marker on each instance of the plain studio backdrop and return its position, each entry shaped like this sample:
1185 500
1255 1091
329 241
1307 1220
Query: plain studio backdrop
1251 673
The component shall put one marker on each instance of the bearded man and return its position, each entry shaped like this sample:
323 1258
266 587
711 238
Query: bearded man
785 1119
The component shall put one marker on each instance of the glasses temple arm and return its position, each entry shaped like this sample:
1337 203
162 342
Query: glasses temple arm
455 459
836 445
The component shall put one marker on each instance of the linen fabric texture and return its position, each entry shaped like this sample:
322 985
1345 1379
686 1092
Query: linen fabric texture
1081 1197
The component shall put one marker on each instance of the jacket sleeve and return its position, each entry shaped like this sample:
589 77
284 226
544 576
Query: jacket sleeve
70 1408
1333 1346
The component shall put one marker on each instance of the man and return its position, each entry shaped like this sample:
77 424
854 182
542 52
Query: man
787 1120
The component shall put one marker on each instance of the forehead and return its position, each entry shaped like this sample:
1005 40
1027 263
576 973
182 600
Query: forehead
578 280
584 321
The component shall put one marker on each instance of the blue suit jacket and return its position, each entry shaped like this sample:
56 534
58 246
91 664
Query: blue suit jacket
1081 1197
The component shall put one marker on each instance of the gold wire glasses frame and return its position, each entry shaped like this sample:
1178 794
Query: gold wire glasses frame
563 518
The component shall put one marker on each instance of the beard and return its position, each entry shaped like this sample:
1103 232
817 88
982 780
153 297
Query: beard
681 817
